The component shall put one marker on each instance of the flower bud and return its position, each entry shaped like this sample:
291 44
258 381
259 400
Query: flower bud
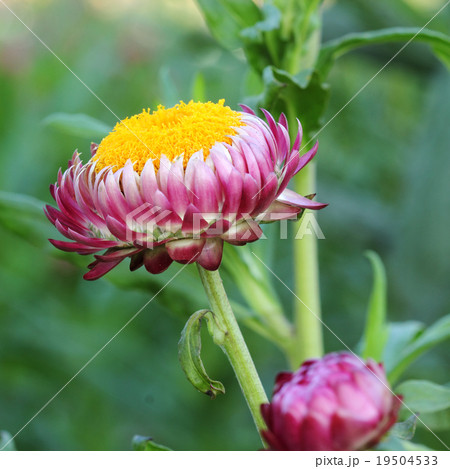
336 403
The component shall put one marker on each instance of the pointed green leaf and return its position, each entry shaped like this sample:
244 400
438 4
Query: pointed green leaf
145 443
433 335
437 421
376 333
79 125
429 400
332 50
424 396
405 430
400 335
6 441
189 349
226 19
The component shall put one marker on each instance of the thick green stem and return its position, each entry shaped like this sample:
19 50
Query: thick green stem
235 346
308 325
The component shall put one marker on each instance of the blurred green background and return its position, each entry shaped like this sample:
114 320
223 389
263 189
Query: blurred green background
383 166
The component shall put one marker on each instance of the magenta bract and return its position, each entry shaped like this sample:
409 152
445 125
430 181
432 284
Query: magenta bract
176 213
337 403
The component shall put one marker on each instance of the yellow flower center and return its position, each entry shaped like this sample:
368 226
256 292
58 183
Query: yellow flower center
181 130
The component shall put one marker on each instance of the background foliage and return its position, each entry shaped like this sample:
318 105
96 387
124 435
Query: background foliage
383 165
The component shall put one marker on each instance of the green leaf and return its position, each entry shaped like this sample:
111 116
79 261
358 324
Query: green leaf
433 335
79 125
6 442
332 50
24 216
376 332
437 421
393 443
405 430
189 349
424 396
304 92
145 443
429 400
400 335
271 20
227 18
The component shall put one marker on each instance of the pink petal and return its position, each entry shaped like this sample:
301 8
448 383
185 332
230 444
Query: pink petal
116 254
176 190
130 187
137 261
93 148
163 173
148 181
245 231
185 251
157 260
292 198
307 157
298 138
74 247
279 211
250 195
247 109
211 255
193 222
98 269
283 121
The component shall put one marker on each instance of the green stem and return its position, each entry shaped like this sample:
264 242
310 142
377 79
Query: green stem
234 345
308 325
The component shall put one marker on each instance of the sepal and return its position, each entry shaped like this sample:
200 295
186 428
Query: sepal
189 350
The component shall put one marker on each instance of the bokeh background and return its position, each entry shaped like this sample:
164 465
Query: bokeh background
383 166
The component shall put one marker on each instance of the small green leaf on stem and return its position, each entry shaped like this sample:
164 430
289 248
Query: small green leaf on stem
226 19
189 349
376 333
405 430
332 50
429 400
145 443
424 396
421 343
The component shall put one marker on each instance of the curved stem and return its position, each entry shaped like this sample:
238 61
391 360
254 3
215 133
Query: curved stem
234 345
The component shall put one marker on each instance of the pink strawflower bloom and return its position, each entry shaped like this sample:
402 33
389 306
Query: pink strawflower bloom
175 184
336 403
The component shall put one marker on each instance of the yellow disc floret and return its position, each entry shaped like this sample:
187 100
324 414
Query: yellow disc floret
181 130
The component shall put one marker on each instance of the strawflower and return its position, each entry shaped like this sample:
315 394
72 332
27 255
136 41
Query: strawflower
174 184
337 403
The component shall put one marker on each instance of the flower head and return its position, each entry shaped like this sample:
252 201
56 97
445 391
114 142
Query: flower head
337 403
174 184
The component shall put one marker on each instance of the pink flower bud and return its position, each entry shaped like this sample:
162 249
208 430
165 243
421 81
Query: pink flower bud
336 403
